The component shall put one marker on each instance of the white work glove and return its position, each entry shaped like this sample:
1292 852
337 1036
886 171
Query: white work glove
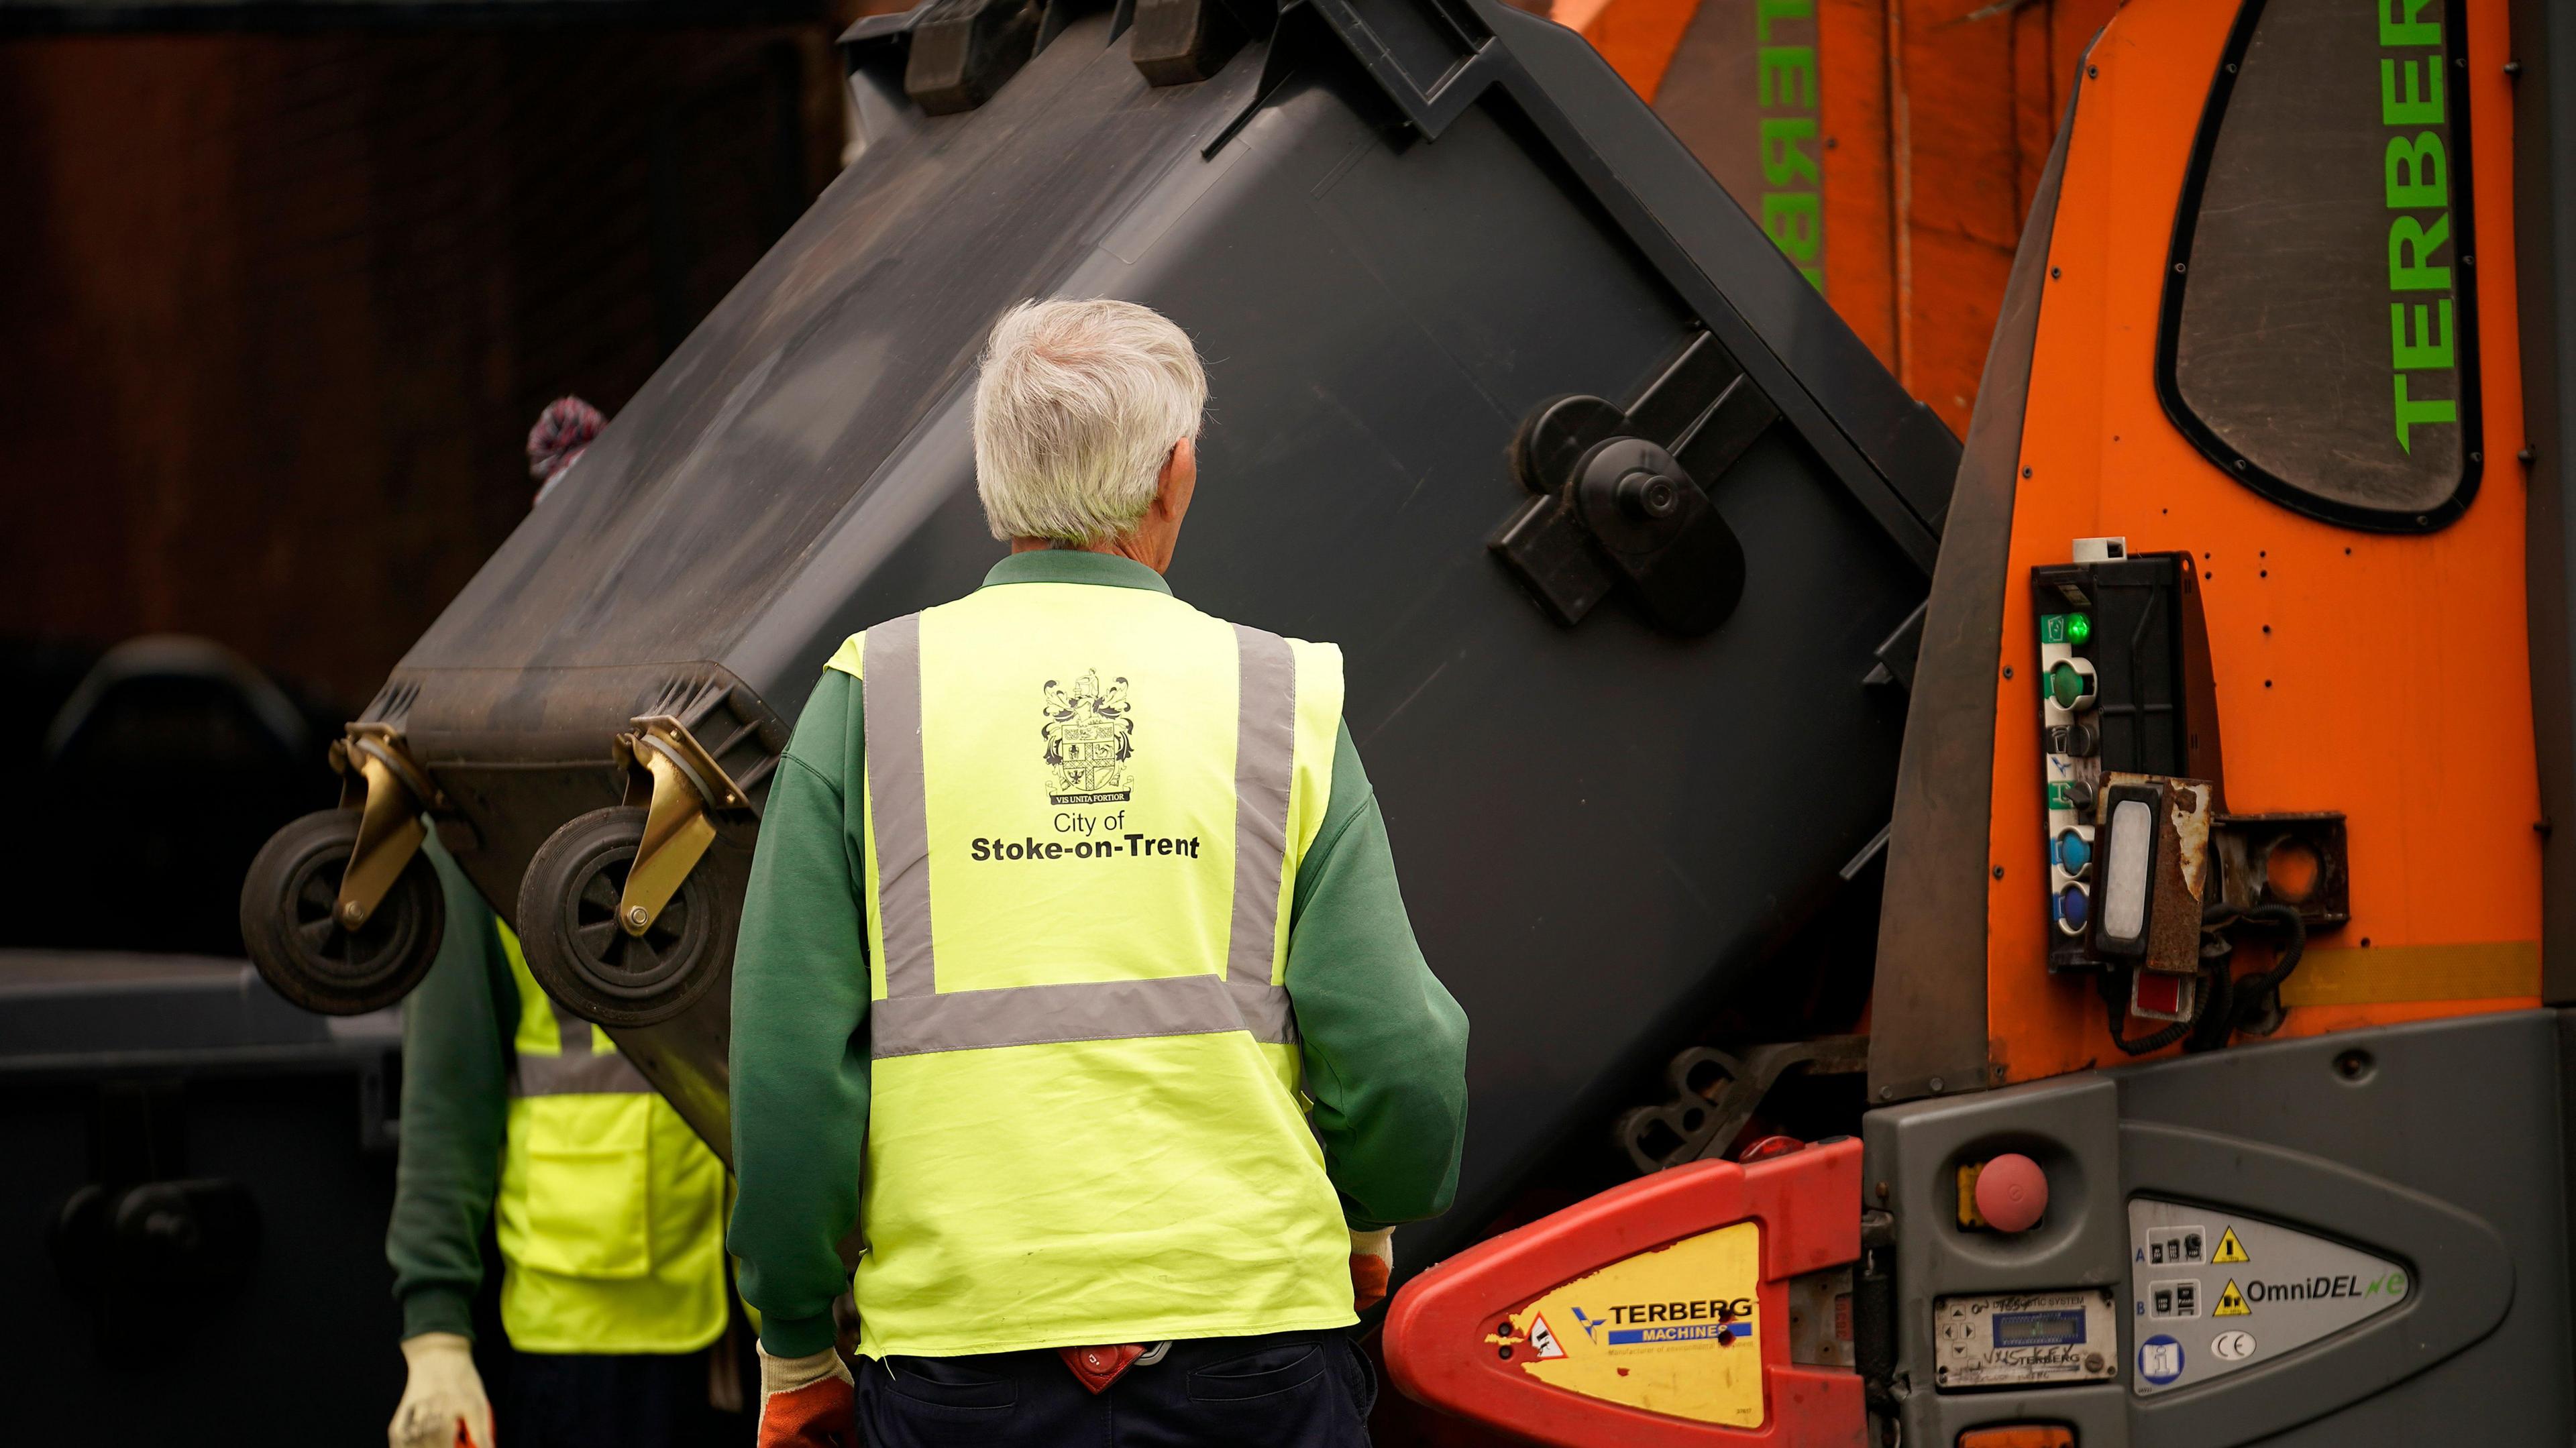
1372 1267
442 1405
806 1402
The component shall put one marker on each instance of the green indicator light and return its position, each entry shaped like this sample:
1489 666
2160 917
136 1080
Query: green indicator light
2052 628
2065 685
2078 628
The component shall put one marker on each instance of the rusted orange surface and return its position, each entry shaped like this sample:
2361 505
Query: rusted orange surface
2383 676
1637 37
1860 197
1930 146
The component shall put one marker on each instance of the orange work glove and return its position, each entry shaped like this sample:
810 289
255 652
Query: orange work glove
1372 1263
806 1402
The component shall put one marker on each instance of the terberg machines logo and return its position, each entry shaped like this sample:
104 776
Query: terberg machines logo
1720 1320
1089 739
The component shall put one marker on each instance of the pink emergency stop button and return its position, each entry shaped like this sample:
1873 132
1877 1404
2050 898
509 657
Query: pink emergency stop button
2012 1192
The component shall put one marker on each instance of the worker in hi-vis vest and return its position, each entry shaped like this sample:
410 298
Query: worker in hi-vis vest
608 1210
1073 972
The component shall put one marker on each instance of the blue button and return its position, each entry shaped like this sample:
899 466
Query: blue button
2074 853
2073 907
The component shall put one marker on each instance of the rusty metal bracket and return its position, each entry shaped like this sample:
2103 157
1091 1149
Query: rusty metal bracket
681 784
389 791
2296 859
1715 1092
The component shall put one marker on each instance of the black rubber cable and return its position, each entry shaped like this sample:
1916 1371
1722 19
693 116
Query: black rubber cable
2116 1000
2258 1009
2228 1006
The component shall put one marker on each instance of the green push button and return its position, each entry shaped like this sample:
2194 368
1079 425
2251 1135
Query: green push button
2065 685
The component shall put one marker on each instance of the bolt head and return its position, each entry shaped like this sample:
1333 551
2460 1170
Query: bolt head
351 916
636 917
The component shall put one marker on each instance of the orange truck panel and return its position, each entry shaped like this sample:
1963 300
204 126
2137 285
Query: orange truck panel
1928 149
2381 675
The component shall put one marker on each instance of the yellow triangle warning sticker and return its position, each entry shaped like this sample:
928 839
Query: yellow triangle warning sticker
2231 1303
2229 1249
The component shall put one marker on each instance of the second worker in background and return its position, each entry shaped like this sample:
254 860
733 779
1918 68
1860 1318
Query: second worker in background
1073 970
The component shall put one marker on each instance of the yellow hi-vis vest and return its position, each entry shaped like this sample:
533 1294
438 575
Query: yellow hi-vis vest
611 1211
1084 810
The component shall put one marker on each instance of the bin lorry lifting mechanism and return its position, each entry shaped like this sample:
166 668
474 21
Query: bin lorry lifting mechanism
2193 732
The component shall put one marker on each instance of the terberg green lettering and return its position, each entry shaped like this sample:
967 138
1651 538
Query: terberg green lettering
1794 66
1769 10
1783 162
2431 347
2421 104
1785 80
2398 25
2418 172
2417 175
1790 217
2411 412
2409 242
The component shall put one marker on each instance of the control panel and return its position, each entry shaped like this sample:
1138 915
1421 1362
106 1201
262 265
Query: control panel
2012 1339
2125 703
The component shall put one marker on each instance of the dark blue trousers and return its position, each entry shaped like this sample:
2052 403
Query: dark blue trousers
1283 1390
654 1401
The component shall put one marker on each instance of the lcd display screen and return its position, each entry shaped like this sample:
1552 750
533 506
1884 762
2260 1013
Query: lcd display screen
2038 1329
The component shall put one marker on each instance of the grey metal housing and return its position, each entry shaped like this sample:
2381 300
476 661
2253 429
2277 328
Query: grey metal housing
2440 1145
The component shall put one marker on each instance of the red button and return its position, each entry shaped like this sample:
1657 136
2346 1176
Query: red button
2012 1193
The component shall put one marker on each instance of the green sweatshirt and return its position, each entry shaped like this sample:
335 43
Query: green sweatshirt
1384 1043
455 1109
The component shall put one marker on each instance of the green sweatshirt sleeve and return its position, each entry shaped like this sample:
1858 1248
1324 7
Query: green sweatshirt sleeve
800 1047
1385 1043
455 1106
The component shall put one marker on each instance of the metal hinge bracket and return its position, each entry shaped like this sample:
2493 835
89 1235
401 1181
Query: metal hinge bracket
680 785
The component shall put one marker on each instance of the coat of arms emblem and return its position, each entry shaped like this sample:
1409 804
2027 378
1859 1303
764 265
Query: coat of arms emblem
1089 737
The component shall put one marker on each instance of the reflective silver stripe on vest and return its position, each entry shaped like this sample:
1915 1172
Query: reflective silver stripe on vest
1034 1015
579 1070
898 801
917 1018
1265 756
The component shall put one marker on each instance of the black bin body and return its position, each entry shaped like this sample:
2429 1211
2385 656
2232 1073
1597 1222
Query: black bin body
1394 233
130 1084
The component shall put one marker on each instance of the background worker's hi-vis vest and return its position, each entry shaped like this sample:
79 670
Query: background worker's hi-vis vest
611 1211
1084 811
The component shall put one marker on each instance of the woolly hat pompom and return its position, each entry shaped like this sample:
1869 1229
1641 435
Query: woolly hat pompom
566 427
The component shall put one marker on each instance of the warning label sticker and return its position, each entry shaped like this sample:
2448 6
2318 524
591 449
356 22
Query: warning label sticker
2242 1271
1673 1331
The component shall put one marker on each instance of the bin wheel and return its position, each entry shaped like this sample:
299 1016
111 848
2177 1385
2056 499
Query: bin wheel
578 951
297 941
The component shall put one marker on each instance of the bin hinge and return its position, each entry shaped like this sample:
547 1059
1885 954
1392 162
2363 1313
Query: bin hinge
680 785
378 779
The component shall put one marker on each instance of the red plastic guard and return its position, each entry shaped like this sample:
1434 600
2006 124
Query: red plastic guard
1451 1341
